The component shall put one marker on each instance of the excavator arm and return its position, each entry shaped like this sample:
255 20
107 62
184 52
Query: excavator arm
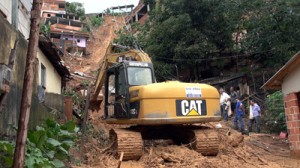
111 57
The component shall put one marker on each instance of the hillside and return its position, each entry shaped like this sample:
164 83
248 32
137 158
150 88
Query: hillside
256 150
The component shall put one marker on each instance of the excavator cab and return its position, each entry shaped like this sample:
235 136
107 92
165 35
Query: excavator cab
119 78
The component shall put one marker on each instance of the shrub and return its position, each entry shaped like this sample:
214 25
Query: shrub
47 146
275 113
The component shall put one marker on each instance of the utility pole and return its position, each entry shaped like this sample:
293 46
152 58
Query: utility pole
19 155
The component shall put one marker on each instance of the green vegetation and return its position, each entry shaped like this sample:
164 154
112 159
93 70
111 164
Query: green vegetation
133 35
96 21
47 146
45 28
194 34
76 97
75 8
275 114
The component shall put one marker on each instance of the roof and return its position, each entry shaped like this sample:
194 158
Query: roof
276 80
222 80
121 7
53 54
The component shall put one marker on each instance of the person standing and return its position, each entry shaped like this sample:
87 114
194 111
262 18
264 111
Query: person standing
223 98
256 116
233 96
239 113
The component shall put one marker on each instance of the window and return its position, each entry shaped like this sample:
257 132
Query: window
43 76
49 15
78 40
139 76
61 5
121 82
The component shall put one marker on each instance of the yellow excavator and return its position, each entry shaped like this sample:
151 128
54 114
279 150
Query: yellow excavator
150 110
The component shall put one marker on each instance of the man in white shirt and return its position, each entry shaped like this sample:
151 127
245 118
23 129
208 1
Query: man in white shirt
224 97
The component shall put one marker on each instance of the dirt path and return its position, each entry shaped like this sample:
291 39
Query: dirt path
256 150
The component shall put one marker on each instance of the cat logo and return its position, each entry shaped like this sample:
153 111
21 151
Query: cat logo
190 107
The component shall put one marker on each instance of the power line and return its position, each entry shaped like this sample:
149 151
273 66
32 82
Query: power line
202 59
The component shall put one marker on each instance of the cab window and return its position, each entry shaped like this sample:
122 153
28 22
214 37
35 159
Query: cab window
139 76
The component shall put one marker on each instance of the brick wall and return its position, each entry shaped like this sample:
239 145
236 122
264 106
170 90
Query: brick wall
292 113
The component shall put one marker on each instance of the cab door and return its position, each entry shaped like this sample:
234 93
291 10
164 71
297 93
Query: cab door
121 106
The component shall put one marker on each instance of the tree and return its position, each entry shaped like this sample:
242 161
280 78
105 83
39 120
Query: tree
272 30
75 8
199 34
134 35
189 32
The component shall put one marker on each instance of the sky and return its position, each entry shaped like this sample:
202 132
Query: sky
97 6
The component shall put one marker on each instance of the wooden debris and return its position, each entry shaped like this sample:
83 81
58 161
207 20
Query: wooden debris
170 158
121 159
107 148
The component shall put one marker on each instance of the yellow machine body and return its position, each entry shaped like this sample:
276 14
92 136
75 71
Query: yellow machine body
169 103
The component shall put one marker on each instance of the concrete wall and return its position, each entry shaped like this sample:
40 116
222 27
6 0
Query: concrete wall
53 5
53 79
45 15
291 83
11 107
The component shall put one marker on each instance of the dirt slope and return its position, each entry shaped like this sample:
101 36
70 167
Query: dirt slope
100 41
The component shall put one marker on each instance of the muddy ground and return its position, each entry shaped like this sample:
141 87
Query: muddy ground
236 150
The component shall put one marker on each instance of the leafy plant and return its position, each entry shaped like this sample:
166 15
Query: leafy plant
76 98
85 83
75 8
45 28
47 146
133 35
6 153
96 21
275 115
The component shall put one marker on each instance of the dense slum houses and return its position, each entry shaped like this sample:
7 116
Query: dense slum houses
66 31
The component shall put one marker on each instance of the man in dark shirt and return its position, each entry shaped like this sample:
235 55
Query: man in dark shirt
239 113
233 96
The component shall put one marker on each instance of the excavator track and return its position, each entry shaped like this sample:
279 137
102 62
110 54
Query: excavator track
128 142
206 142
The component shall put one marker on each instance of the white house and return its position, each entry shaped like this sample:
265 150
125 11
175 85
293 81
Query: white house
52 74
288 80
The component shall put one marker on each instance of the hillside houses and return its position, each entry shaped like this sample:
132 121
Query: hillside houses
66 31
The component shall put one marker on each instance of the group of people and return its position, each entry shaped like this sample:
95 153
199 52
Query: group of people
232 105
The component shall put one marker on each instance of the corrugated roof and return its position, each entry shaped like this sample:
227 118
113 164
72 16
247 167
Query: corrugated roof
276 80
